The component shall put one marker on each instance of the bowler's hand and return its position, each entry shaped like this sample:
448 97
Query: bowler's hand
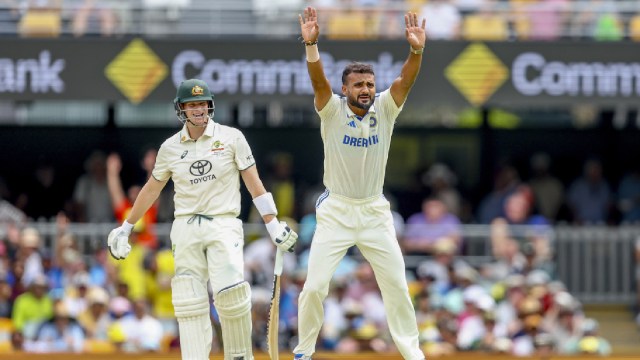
309 25
118 243
415 33
282 235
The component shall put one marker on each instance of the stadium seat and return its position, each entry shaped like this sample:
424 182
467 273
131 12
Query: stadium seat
44 23
349 25
485 27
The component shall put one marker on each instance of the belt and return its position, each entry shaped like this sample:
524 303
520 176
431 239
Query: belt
199 217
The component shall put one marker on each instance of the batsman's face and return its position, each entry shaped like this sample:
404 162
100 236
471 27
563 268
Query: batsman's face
196 112
360 90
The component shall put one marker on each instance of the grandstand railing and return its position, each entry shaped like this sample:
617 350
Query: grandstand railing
279 18
596 263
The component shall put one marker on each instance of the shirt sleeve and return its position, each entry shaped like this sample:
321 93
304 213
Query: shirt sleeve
243 155
388 105
161 171
331 109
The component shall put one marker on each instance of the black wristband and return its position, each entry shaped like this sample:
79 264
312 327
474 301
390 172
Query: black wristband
310 43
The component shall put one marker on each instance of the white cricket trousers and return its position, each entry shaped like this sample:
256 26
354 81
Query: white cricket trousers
209 249
367 223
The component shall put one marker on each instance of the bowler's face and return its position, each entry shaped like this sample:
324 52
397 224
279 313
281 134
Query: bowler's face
196 112
360 90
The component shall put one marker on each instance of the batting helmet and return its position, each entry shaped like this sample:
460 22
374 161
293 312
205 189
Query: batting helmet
189 91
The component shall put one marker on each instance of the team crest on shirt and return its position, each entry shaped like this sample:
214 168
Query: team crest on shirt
217 147
373 122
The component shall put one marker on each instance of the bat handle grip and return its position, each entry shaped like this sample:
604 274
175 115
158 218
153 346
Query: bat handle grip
277 269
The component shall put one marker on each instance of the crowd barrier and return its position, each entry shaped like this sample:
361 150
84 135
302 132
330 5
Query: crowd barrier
596 263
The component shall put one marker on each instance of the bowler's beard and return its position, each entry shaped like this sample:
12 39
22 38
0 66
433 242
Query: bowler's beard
354 102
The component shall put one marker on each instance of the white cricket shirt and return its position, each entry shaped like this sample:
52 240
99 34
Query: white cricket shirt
356 149
205 172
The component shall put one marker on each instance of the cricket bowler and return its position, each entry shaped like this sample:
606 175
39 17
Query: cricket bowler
356 132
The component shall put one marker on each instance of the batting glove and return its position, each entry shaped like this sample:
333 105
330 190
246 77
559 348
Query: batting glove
118 241
282 235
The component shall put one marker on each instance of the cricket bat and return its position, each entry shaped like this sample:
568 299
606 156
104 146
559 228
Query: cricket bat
274 310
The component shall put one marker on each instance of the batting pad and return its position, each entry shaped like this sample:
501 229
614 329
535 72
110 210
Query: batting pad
191 306
234 307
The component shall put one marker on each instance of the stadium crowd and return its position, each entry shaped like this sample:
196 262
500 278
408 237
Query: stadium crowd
602 20
55 297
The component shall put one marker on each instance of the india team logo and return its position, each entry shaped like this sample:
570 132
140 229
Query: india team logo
373 122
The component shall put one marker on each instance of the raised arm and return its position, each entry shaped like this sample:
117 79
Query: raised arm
310 32
416 37
114 165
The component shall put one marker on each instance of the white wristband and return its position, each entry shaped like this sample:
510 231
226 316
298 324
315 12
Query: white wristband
313 54
265 204
127 227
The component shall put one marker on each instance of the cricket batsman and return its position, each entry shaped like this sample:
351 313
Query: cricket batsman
205 160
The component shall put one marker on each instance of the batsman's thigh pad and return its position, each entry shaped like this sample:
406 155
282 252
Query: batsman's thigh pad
234 307
191 305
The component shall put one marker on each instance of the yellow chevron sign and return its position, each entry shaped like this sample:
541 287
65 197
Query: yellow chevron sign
136 71
477 73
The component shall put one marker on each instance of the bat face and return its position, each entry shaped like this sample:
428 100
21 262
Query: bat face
274 319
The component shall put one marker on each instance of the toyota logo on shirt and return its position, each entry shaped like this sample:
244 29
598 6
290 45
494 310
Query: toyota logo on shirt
200 168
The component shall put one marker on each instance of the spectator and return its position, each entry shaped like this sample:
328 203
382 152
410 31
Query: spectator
434 224
6 304
441 182
61 334
95 320
562 321
629 196
589 197
122 205
32 307
158 278
443 20
468 7
546 19
590 343
91 194
519 227
76 296
506 181
547 189
487 24
41 18
142 331
28 253
9 17
597 19
94 18
44 195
